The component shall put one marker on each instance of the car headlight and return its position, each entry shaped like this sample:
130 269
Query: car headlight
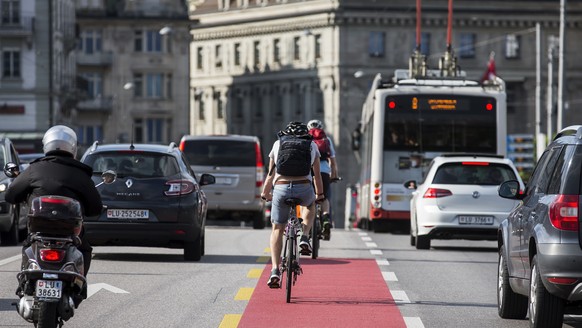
3 187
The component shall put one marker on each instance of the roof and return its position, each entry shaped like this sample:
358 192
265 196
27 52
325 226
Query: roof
221 137
96 147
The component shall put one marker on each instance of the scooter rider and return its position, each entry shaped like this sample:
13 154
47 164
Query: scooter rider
59 173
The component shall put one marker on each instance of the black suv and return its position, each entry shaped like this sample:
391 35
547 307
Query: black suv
156 200
540 245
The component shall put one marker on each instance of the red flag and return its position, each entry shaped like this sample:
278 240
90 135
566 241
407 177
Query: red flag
490 74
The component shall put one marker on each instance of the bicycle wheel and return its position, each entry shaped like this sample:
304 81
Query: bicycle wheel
315 237
290 269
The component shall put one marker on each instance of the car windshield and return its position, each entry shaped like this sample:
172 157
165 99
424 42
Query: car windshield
136 164
481 173
220 152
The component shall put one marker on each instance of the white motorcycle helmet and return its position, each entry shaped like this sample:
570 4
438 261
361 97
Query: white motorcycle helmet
314 124
60 138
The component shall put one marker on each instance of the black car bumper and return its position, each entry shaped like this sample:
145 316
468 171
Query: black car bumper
171 235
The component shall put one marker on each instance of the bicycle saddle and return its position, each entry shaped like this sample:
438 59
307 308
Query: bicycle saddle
292 201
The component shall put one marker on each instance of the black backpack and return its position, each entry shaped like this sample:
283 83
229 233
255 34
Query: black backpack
294 156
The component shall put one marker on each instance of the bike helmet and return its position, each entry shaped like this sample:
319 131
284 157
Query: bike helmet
297 129
315 124
60 138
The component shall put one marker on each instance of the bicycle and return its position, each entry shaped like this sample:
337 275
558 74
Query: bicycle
316 231
290 267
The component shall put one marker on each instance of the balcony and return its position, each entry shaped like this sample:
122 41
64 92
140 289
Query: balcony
97 59
99 104
22 27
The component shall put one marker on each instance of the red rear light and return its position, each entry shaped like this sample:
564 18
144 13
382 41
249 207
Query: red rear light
55 200
179 187
391 104
562 280
476 163
564 212
437 193
489 107
52 255
260 166
181 147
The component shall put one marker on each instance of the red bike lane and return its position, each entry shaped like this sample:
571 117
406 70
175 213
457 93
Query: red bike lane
331 292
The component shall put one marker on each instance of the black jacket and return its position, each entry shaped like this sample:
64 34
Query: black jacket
57 175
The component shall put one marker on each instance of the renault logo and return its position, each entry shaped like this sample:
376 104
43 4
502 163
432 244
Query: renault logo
129 183
476 194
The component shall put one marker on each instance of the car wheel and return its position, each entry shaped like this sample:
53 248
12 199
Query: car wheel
510 305
10 237
545 309
259 220
422 242
412 240
203 246
193 250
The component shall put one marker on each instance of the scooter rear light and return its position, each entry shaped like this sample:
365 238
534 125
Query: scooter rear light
52 255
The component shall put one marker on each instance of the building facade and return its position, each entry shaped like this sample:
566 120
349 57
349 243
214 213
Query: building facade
37 86
133 64
256 65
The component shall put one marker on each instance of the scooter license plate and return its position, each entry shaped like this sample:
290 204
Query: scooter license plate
49 289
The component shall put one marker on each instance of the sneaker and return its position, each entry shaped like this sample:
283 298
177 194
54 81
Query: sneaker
305 246
326 227
274 279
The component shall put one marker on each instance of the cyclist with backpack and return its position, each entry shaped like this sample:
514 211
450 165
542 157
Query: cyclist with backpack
328 168
293 157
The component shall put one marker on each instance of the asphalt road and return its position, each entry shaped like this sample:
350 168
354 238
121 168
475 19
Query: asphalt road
451 285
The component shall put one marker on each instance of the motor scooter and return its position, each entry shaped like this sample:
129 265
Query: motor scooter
51 281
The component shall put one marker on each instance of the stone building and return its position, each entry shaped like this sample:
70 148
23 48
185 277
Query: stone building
256 65
133 63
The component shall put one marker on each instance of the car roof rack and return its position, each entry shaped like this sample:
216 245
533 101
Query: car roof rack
569 131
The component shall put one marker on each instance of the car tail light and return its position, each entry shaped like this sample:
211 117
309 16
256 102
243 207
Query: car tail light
562 280
437 193
564 212
52 255
179 187
476 163
260 166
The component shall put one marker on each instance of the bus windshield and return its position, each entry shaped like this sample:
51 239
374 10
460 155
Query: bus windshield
440 123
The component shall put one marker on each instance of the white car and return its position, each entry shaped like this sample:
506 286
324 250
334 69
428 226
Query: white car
458 198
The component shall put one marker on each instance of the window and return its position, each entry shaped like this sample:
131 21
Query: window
10 63
318 46
277 50
10 11
376 44
199 57
201 111
237 54
88 134
90 42
512 42
219 107
151 130
152 42
94 84
152 85
257 53
296 48
467 48
425 44
218 55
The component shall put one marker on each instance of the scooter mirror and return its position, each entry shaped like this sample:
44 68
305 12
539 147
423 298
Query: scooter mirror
11 170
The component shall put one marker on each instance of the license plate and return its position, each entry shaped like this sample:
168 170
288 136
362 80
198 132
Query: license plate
480 220
49 288
116 213
224 181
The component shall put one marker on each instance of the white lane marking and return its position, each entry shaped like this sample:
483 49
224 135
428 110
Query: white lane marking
376 252
389 276
94 288
10 259
382 262
371 245
366 238
362 233
399 296
413 322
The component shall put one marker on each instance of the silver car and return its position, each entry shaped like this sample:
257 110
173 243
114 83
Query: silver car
236 161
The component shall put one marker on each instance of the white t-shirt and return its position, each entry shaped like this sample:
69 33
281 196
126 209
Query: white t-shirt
275 150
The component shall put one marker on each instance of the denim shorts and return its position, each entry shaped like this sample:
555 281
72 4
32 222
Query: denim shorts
280 210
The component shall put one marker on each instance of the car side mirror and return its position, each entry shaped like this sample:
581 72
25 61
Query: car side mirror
509 189
11 170
207 179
